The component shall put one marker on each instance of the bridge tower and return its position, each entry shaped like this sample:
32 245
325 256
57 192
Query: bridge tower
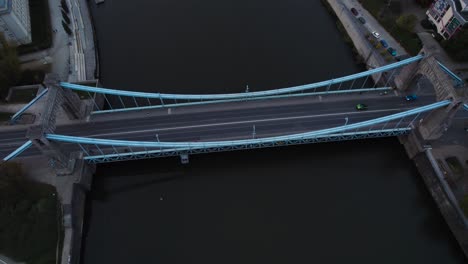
438 121
62 161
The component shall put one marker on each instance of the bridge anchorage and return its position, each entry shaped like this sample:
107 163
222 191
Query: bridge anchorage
81 102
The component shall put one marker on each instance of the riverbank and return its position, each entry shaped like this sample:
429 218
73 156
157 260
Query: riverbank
355 35
442 195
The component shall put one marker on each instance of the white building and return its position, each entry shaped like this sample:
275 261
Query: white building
449 16
15 21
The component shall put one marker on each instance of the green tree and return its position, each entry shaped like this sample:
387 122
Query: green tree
407 22
456 46
10 71
28 217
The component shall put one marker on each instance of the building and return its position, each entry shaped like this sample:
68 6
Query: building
15 21
449 16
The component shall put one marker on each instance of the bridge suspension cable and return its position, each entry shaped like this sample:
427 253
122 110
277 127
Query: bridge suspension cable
138 100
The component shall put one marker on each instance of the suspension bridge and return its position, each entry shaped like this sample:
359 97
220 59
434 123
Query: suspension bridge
117 125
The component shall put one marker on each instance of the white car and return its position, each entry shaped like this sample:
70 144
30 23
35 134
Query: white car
375 34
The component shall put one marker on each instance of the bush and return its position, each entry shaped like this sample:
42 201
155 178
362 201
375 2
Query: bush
9 67
426 24
28 217
456 46
407 22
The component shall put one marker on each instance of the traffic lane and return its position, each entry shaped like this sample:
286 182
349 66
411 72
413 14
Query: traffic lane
192 119
208 131
220 112
230 133
12 135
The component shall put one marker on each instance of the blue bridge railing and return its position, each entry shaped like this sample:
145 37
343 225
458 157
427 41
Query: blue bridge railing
110 149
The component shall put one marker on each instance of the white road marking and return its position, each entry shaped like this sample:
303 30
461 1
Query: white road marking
169 111
242 122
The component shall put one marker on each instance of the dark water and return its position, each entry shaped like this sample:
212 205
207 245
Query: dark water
348 202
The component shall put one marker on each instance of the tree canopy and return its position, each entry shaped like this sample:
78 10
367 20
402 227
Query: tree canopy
28 217
10 70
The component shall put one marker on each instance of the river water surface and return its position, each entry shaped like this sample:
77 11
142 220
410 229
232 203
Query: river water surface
344 202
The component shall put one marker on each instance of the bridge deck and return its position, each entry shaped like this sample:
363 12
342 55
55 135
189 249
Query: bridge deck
228 121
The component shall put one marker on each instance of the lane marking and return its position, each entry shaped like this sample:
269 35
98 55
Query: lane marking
243 122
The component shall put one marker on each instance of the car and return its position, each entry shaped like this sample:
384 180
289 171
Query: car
362 20
361 107
375 34
392 51
402 57
384 43
411 97
354 11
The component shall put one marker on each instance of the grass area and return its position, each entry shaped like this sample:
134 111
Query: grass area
387 16
455 166
5 116
23 95
40 27
373 6
28 217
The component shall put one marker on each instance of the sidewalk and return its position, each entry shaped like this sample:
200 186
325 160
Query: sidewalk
374 25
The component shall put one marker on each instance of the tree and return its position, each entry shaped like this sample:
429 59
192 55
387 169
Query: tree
407 22
424 3
9 66
28 217
456 46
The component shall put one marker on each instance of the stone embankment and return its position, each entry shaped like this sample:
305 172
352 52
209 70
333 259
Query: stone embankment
357 34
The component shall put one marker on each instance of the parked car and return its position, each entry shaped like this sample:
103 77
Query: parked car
354 11
392 51
384 43
402 57
411 97
362 20
375 34
361 107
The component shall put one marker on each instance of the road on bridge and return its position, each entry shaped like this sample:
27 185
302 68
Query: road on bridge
215 122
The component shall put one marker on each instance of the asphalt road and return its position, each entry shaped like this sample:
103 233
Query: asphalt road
215 122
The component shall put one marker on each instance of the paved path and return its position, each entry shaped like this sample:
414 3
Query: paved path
373 25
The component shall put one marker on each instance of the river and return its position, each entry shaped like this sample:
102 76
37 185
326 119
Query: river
343 202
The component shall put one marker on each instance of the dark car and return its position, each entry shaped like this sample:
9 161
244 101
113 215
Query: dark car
362 20
384 43
411 97
354 11
392 51
361 107
402 57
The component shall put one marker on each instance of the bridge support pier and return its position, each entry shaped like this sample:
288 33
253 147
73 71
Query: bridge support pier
437 122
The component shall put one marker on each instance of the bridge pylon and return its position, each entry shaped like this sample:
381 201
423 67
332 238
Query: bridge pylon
69 101
60 160
437 122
